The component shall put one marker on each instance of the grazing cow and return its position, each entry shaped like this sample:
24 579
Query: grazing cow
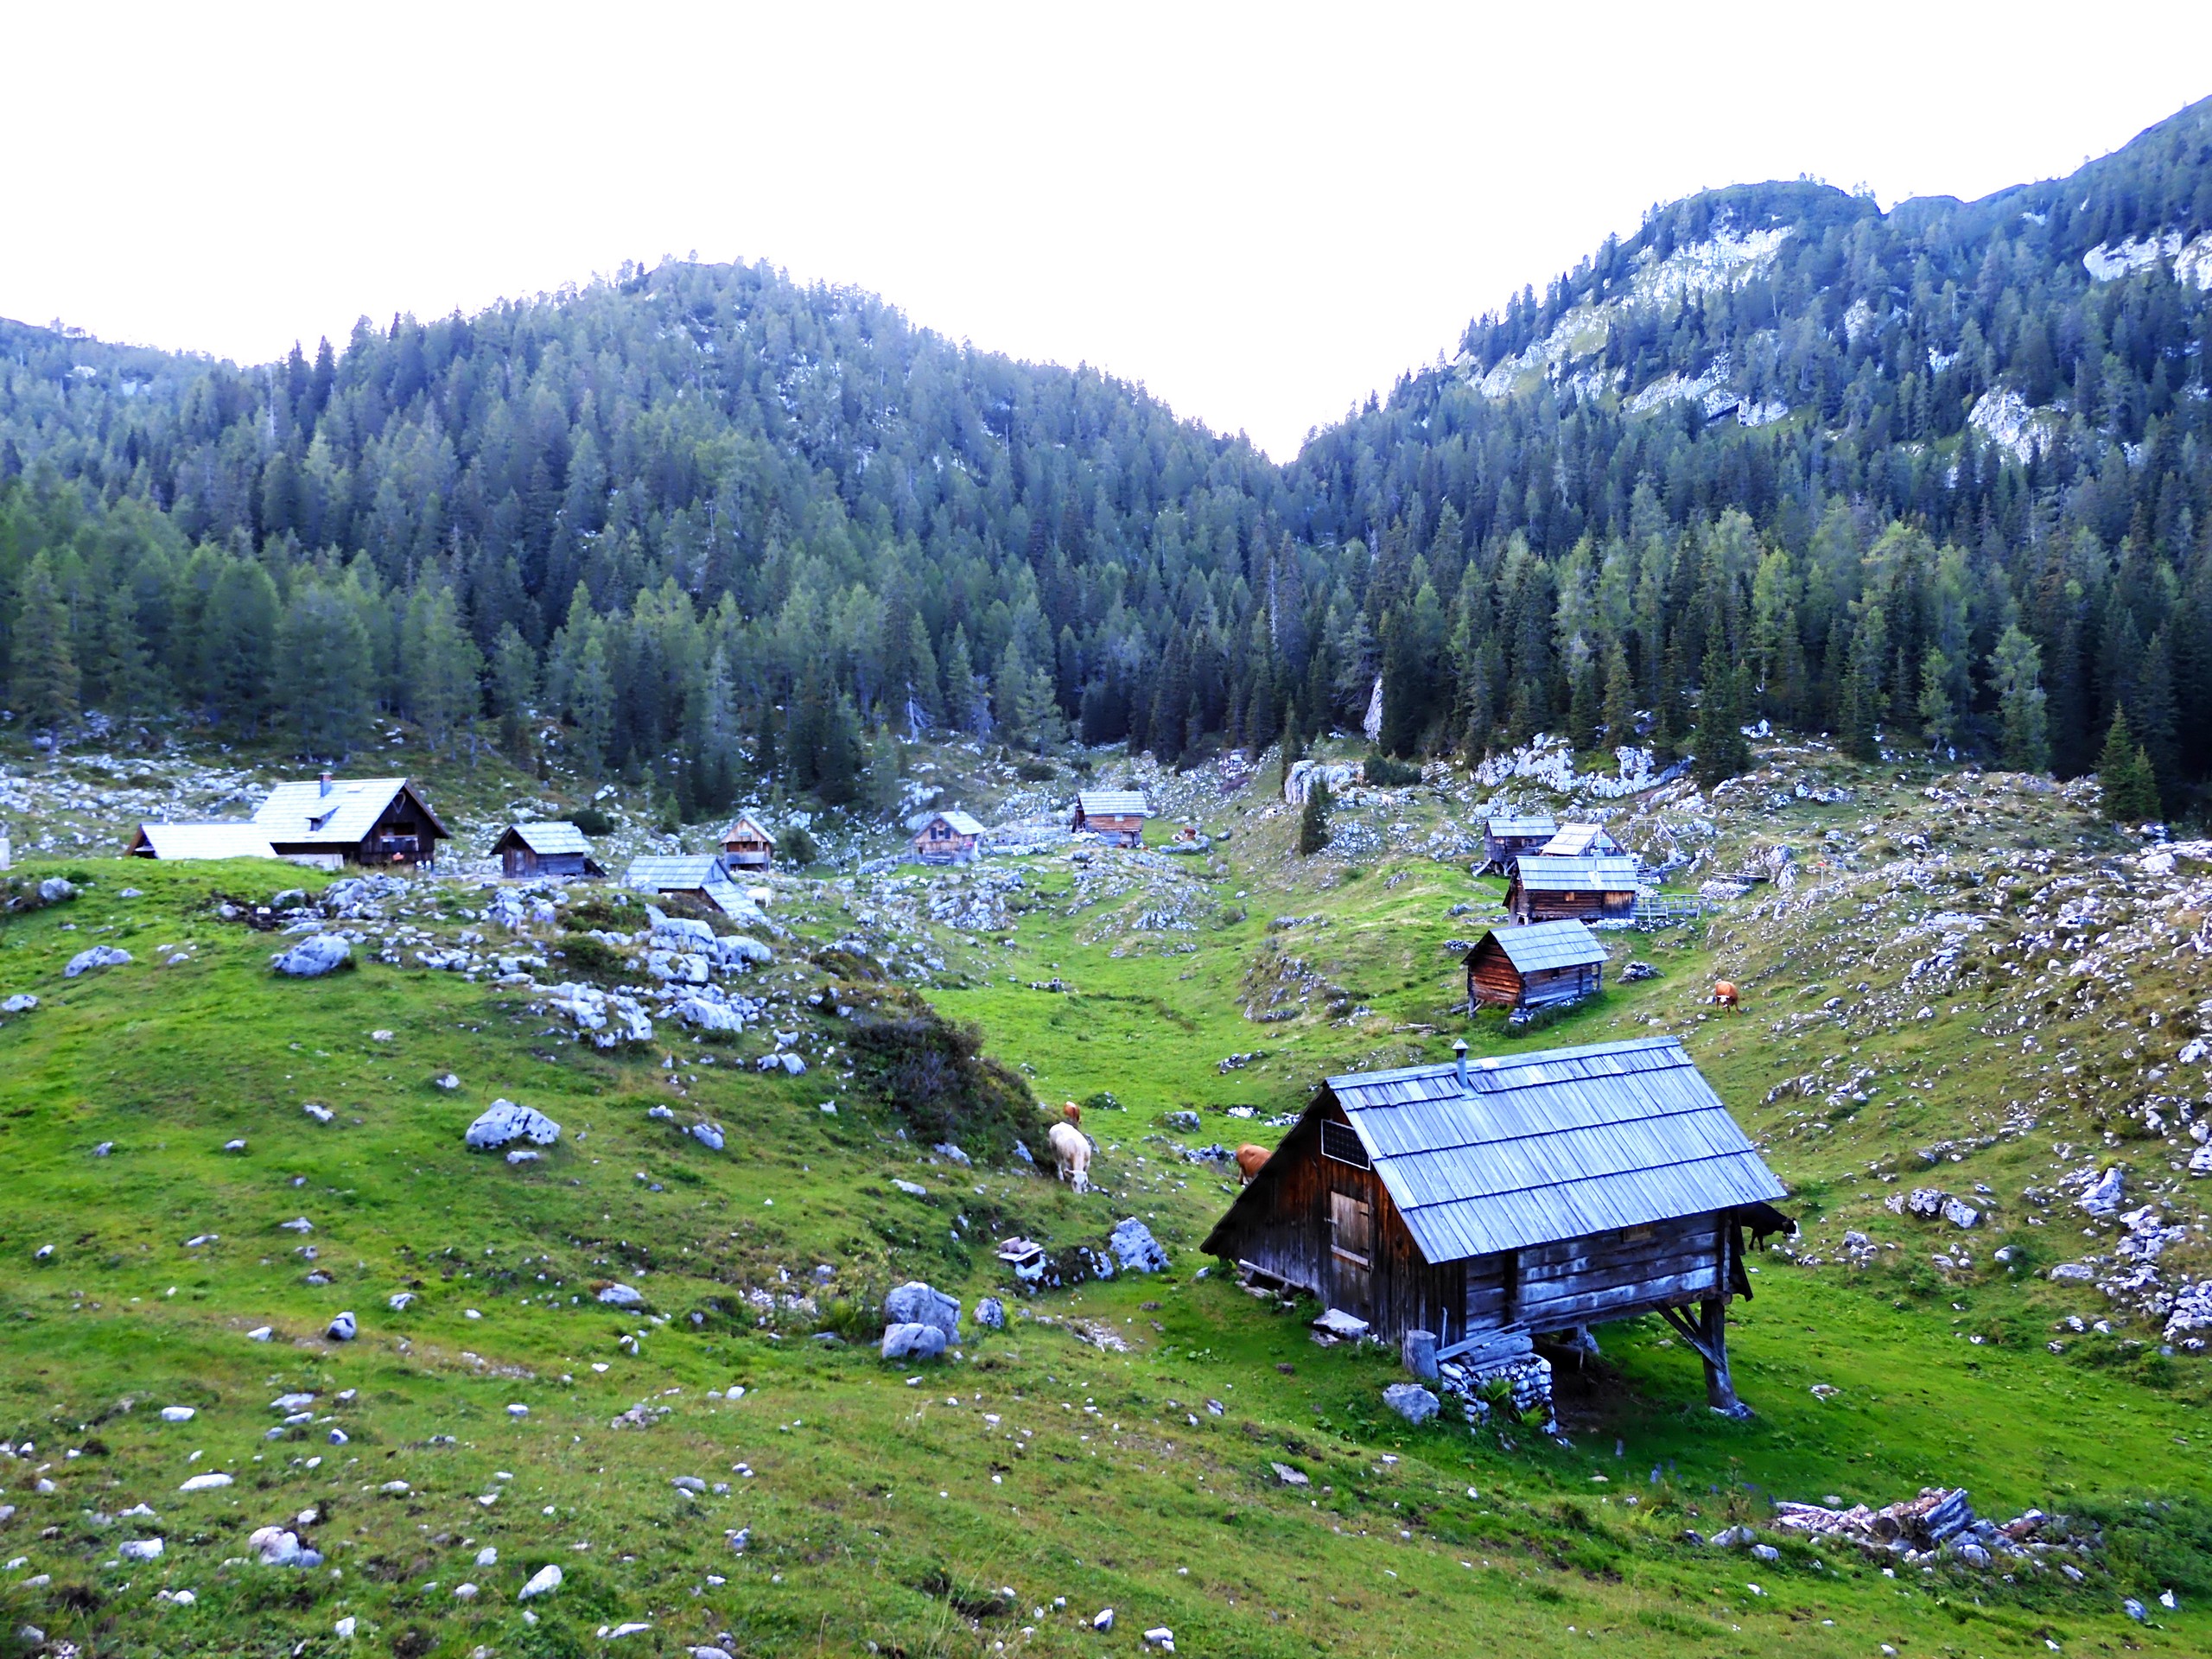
1249 1159
1073 1113
1723 993
1071 1153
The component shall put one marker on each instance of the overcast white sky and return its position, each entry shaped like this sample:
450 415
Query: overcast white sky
1262 211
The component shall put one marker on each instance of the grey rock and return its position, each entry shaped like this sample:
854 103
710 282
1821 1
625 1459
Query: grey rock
313 957
344 1328
56 889
916 1303
23 1002
2135 1611
503 1121
1103 1619
910 1341
1417 1350
525 1157
1135 1247
990 1313
2106 1195
1411 1402
1765 1552
101 956
1186 1122
708 1136
1288 1476
946 1149
690 1483
619 1296
1971 1554
544 1582
1961 1214
140 1550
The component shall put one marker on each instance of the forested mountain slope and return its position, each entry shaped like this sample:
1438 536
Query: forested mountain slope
1936 478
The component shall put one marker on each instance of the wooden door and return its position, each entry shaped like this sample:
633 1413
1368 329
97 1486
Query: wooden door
1351 1249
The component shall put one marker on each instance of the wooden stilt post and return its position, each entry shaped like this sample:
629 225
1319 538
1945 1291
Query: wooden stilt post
1719 1387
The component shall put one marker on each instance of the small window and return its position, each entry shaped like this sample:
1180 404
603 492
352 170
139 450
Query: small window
1338 1141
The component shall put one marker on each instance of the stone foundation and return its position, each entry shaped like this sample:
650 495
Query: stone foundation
1529 1374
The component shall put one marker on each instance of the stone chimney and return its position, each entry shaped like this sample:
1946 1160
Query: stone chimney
325 790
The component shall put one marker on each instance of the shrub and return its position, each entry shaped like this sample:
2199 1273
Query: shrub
601 910
1383 772
1036 771
795 846
933 1072
592 820
594 958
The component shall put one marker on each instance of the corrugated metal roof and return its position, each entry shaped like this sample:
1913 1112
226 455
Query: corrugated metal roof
546 838
1539 1148
176 841
961 823
1113 803
340 816
1537 826
1576 840
1546 944
1614 873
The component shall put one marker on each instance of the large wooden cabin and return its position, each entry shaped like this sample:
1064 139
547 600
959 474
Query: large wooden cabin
1114 816
1489 1204
380 822
1531 967
1600 888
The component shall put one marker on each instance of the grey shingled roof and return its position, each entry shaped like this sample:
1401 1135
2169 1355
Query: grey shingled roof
1538 1147
1546 944
180 841
961 823
303 812
1537 826
1604 873
546 838
697 872
1114 804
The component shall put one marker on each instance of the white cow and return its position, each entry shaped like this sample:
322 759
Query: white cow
1072 1151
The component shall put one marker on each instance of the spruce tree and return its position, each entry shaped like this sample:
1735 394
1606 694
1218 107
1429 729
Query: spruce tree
1313 821
43 684
514 686
2126 776
1719 743
1620 697
2016 672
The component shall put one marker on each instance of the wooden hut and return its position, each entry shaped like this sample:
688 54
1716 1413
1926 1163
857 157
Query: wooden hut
1505 839
1490 1204
948 837
1599 888
1114 816
1531 967
174 841
1580 841
700 876
549 847
747 848
336 821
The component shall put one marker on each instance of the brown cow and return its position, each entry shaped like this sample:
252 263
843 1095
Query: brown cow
1249 1157
1724 993
1073 1112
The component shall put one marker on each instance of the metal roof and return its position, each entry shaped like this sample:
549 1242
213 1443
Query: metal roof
1536 826
1537 1147
1601 873
1545 944
693 873
338 816
176 841
1113 803
960 821
546 838
1576 840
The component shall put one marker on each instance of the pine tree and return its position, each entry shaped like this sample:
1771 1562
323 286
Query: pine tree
1619 709
591 706
1582 710
440 666
1313 821
43 684
514 688
323 672
2125 774
1939 717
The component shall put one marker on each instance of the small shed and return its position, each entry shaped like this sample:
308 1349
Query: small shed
1493 1203
746 847
336 821
700 876
174 841
1505 839
1601 887
1532 967
549 847
948 837
1580 841
1114 816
